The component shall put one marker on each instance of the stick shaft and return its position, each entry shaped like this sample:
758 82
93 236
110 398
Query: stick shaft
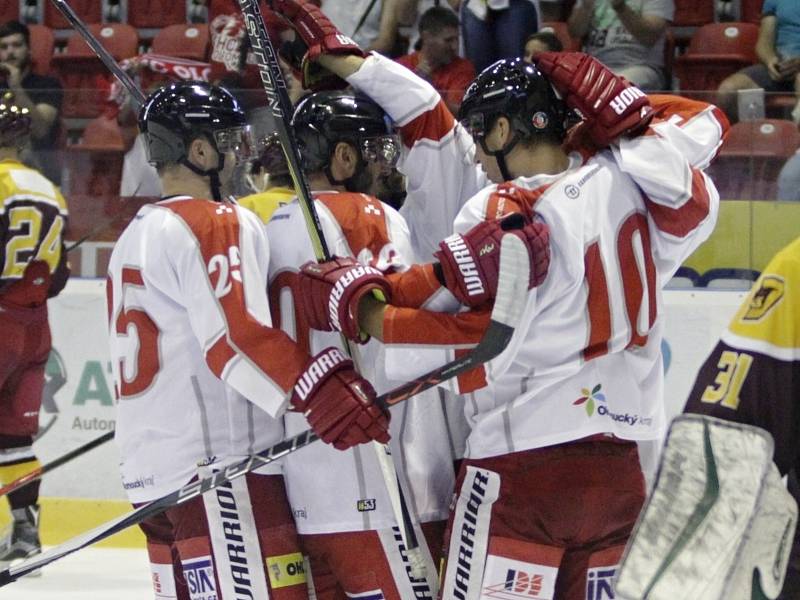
280 104
103 54
36 474
281 107
494 341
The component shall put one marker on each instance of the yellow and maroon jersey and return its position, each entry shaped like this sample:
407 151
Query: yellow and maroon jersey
266 203
753 374
33 216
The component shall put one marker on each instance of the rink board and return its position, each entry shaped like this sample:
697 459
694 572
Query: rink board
87 491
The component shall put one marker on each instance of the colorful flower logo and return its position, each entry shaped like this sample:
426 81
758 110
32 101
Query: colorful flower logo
589 398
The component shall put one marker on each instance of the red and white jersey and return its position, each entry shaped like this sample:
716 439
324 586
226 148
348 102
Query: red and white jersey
329 490
199 372
586 359
439 154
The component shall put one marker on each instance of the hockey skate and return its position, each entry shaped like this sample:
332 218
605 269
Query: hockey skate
23 541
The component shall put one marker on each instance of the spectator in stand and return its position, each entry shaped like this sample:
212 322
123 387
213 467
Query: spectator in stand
543 41
374 24
495 29
778 49
411 13
437 59
41 95
626 35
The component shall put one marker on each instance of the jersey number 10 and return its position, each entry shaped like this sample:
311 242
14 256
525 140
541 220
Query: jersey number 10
634 260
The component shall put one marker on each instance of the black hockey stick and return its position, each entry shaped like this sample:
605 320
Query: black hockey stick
103 54
281 107
506 315
36 474
278 101
112 65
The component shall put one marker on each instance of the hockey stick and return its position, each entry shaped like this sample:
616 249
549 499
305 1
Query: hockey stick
275 88
97 229
112 65
36 474
103 54
278 100
506 316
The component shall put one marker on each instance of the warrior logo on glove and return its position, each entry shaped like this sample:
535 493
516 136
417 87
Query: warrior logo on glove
462 256
469 264
323 363
627 97
351 276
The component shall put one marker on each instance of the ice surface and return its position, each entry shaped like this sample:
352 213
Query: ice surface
89 574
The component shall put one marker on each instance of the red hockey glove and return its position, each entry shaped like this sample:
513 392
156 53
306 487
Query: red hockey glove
470 263
338 403
610 104
330 293
319 36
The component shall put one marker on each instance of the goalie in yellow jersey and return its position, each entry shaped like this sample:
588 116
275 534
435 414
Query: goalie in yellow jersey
33 268
735 542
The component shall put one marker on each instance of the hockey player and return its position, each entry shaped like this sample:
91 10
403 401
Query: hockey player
199 372
340 502
753 374
552 484
506 127
33 268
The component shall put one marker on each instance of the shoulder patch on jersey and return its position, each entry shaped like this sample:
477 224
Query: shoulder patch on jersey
770 292
509 198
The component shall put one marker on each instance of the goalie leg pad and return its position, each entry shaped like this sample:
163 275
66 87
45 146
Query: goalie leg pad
764 555
694 533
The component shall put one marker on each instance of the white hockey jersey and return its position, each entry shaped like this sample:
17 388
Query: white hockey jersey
330 490
199 372
438 160
438 156
587 358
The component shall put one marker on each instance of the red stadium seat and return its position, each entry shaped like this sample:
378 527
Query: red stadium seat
42 43
750 10
559 28
716 51
693 13
750 159
9 10
94 164
183 41
82 72
156 13
90 11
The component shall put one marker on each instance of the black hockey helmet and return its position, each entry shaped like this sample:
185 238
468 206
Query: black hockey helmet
15 122
326 118
178 113
519 91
